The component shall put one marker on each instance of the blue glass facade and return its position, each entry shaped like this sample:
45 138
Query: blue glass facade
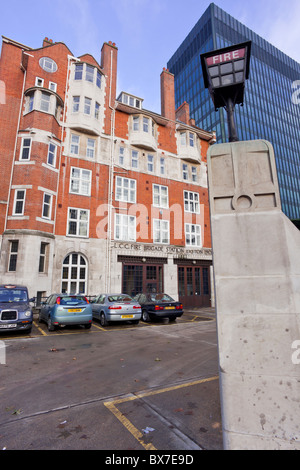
269 110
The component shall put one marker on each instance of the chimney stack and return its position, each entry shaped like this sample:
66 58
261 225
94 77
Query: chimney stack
167 93
109 58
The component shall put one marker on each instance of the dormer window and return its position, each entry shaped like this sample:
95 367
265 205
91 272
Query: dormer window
130 100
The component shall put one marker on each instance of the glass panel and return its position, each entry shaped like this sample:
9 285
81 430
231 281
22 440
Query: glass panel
189 281
239 65
205 281
216 82
213 71
181 281
226 68
227 79
197 282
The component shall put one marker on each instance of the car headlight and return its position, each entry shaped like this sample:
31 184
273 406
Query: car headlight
28 313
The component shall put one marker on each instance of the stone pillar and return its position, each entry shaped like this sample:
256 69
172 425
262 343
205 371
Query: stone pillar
256 256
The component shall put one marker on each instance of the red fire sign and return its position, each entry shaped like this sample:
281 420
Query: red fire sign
226 57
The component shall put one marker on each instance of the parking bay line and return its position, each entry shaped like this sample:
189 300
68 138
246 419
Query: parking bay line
111 406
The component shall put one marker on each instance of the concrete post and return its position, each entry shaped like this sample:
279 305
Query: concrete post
256 257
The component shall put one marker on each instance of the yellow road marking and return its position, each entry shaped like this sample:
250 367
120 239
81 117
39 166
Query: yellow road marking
125 421
39 328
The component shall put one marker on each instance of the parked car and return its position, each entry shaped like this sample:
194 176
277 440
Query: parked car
116 307
15 310
66 310
158 305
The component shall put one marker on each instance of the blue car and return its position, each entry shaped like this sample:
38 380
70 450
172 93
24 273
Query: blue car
66 310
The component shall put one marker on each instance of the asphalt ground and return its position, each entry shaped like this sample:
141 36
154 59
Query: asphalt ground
147 387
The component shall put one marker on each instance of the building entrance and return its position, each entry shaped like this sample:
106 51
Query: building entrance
142 277
194 285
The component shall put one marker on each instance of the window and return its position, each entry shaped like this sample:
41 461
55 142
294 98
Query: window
90 148
76 103
161 231
191 202
191 139
25 149
78 222
39 81
75 144
150 163
89 73
78 71
45 102
47 205
52 150
121 155
80 181
53 86
145 124
136 121
160 196
125 227
134 159
87 105
194 174
98 79
162 166
48 64
97 110
74 274
43 257
31 101
192 235
19 202
13 255
184 171
125 189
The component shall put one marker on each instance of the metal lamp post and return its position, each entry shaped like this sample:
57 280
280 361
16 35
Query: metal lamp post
224 72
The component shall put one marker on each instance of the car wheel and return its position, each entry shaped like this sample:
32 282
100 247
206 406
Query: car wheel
145 316
103 321
50 326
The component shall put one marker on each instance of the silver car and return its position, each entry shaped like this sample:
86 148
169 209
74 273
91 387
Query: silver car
116 307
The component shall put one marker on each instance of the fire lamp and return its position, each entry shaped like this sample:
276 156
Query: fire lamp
224 72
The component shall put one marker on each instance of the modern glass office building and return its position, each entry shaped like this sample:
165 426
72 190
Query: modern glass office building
271 108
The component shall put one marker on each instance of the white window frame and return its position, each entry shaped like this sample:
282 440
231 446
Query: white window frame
194 174
53 86
134 159
97 110
78 180
191 202
75 104
90 147
52 154
161 231
89 73
80 222
45 103
125 189
74 145
162 165
191 139
136 123
193 235
159 199
125 227
23 147
121 155
78 72
20 199
47 205
87 106
185 172
146 124
150 163
98 78
39 82
13 254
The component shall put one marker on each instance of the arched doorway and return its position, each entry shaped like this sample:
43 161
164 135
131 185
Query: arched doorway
74 274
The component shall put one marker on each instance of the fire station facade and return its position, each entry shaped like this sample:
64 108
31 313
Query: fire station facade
98 194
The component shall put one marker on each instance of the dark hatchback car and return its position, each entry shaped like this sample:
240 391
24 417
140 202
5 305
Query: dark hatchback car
15 310
156 305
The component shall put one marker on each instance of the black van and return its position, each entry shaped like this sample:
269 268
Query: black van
15 311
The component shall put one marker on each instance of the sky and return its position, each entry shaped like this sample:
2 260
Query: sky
146 32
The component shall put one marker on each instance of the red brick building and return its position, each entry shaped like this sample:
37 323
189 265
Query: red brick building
98 194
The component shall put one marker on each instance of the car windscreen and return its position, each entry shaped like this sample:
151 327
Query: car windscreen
120 298
13 295
160 298
72 300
